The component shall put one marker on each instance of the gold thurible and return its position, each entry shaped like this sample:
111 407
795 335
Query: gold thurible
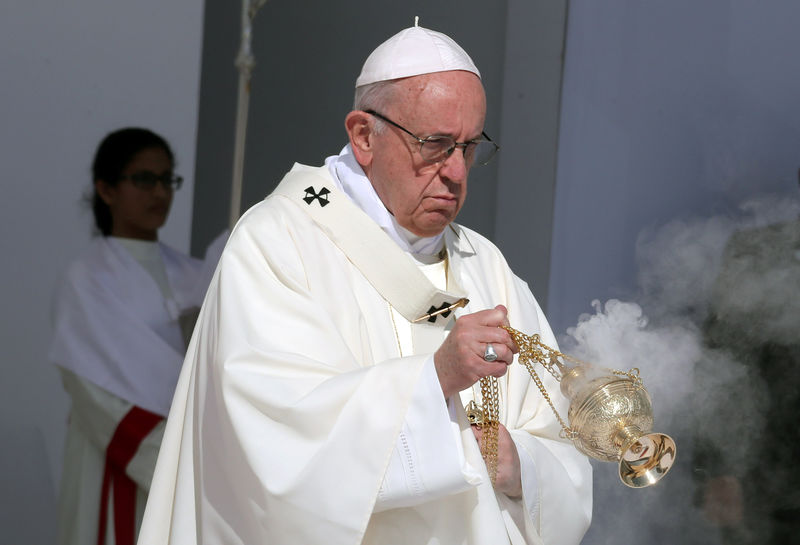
610 413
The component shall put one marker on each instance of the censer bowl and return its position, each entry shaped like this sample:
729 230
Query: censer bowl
611 417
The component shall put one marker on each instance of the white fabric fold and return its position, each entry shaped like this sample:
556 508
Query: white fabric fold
113 326
427 462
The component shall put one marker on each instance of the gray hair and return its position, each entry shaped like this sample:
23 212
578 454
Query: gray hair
375 96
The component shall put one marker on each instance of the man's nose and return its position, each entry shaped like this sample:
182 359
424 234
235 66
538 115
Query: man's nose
455 166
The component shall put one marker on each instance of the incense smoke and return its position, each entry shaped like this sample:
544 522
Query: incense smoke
664 333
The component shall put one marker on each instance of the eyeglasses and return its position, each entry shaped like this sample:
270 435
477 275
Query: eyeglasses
434 149
147 180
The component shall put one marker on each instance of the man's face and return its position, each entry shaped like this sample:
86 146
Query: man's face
423 197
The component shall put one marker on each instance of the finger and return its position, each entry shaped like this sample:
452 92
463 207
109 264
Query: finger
476 431
492 317
495 369
498 338
495 335
506 323
504 354
504 310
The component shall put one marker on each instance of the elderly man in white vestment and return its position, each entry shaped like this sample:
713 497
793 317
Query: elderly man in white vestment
323 395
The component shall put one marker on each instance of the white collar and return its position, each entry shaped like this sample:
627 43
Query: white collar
348 175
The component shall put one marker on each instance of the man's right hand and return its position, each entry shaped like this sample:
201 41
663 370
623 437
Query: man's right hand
459 361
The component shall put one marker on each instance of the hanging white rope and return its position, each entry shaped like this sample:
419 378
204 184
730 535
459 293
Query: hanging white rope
245 61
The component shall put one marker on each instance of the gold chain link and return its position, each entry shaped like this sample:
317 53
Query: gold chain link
490 425
531 351
565 429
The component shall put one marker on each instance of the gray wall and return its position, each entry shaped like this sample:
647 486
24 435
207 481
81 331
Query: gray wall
532 80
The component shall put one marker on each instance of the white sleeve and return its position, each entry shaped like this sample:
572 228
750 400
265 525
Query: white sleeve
560 512
428 459
98 413
530 482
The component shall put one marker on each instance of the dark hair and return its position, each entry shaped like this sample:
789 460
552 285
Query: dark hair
113 154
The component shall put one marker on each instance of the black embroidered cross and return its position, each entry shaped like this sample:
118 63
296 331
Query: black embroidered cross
322 196
444 310
444 314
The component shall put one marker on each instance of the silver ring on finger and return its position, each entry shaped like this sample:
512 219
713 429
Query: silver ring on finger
489 354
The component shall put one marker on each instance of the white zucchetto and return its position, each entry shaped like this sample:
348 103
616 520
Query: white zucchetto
412 52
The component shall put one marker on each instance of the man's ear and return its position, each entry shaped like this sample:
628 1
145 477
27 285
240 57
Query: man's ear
105 190
359 127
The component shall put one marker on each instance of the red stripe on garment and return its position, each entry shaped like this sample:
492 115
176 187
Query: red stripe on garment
130 433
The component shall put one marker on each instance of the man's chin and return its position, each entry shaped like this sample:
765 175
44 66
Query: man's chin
434 227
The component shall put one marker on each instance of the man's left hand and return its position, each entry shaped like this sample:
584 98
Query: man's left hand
508 479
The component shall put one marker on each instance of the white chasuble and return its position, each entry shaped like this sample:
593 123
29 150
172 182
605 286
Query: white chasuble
294 390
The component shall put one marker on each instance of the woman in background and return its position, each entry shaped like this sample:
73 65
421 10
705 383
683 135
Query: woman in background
121 318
